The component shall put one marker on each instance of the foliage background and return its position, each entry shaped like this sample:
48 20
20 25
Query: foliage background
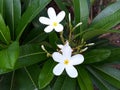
24 65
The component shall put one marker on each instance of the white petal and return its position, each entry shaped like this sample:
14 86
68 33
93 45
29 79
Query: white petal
57 57
59 28
77 59
60 16
67 51
58 69
45 20
48 29
51 13
71 71
60 46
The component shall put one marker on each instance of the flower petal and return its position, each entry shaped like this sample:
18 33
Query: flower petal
67 50
58 69
51 13
45 20
71 71
77 59
59 28
60 16
48 29
57 57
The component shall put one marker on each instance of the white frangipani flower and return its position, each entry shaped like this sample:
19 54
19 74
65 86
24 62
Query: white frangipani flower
66 61
53 21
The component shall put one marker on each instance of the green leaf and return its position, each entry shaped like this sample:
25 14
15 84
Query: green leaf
28 75
96 55
61 5
91 33
108 18
31 12
30 54
46 74
69 84
9 56
4 32
2 7
99 81
84 79
115 55
13 14
35 36
81 13
53 39
110 74
58 83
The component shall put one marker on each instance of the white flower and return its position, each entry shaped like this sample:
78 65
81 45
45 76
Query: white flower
66 61
53 21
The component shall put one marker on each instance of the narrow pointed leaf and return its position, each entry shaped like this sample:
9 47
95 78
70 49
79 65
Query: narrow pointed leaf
94 56
108 18
32 11
13 14
46 74
4 32
84 79
81 13
110 74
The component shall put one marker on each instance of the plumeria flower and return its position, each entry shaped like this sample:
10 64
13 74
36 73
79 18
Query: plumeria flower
67 61
53 21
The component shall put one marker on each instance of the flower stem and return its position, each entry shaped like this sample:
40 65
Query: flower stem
62 38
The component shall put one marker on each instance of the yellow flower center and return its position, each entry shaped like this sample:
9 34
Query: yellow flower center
66 62
55 24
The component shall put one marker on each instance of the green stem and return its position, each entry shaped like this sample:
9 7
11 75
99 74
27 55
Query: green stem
62 38
30 77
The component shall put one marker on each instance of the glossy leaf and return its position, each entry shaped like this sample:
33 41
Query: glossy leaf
58 83
31 12
84 80
115 55
4 32
108 18
81 13
29 55
99 81
9 56
2 7
64 83
12 14
91 33
46 74
94 56
111 75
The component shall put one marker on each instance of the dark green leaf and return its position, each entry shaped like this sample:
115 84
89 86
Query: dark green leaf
13 14
30 54
96 55
4 32
31 12
84 80
9 56
46 74
81 13
99 81
58 83
108 18
110 74
2 7
115 55
69 84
